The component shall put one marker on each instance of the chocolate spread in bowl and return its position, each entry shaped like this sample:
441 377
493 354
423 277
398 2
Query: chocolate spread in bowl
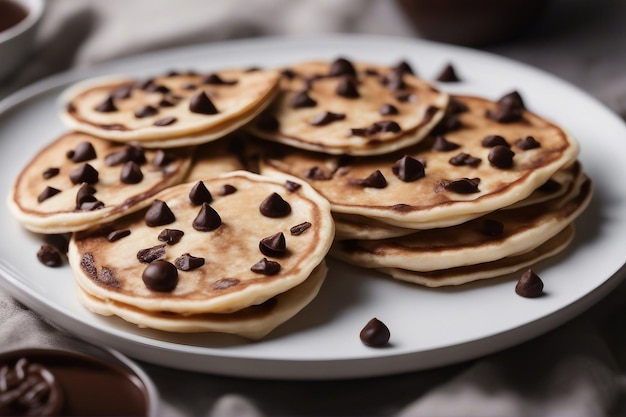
49 382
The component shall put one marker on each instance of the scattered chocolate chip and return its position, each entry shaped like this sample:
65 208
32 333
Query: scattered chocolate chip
84 152
215 79
122 92
448 123
377 127
85 194
187 262
403 67
148 255
408 169
347 88
375 333
207 219
509 109
444 145
47 193
162 158
132 152
501 157
512 99
166 102
302 99
494 140
131 173
388 109
107 106
50 256
266 267
341 66
529 285
527 143
375 180
157 88
84 173
267 123
160 276
200 194
117 235
159 214
274 206
448 74
393 81
202 104
170 236
224 283
143 85
492 227
326 117
227 189
91 205
292 186
464 159
318 174
51 172
146 111
274 245
462 185
299 228
166 121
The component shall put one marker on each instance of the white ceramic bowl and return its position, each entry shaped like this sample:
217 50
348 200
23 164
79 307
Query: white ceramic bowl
17 42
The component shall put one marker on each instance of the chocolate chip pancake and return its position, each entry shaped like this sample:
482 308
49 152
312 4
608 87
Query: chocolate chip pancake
344 107
170 110
214 246
79 180
254 322
215 158
476 161
497 235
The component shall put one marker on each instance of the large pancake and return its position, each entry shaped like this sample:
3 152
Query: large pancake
169 110
112 270
361 94
367 186
50 171
254 322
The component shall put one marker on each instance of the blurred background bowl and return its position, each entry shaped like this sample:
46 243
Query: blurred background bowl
17 40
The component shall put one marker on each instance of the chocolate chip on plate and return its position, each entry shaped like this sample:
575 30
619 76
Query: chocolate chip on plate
408 169
207 219
299 228
202 104
145 256
160 276
529 285
274 245
274 206
266 267
131 173
501 156
84 173
462 185
200 194
188 262
443 144
118 234
302 99
107 106
375 333
341 66
375 180
47 193
170 236
49 255
403 67
84 152
464 159
146 111
324 118
494 140
347 87
527 143
159 214
448 74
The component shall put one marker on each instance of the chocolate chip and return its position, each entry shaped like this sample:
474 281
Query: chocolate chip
157 88
464 159
509 109
492 227
274 206
274 245
187 262
200 194
494 140
159 214
215 79
501 157
145 84
299 228
84 173
170 236
529 285
85 194
146 111
166 102
527 143
388 109
375 333
375 180
148 255
448 74
49 256
160 276
266 267
162 158
122 92
132 152
448 123
324 118
47 193
91 205
347 88
408 169
462 185
131 173
117 235
341 66
512 99
107 106
292 186
318 174
403 67
227 189
202 104
224 283
166 121
207 219
387 126
302 99
267 123
288 73
51 172
84 152
444 145
394 81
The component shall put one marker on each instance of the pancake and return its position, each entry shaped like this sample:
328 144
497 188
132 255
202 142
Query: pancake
213 159
341 107
450 175
170 110
254 322
228 252
51 194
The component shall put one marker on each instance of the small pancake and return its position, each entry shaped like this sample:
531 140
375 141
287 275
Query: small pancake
464 274
369 187
232 275
376 109
213 159
495 236
170 110
254 322
44 195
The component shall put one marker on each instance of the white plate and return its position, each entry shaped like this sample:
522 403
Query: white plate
429 327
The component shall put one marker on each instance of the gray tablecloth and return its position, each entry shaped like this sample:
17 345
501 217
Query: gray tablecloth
576 370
